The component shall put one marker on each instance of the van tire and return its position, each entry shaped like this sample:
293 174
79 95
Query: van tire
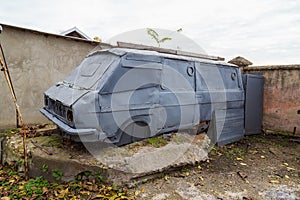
202 127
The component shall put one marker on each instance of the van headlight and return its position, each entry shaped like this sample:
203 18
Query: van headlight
70 115
46 101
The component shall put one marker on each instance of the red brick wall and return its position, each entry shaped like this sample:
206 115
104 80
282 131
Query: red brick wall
281 96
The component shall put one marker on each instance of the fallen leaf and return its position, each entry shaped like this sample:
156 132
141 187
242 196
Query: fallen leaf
90 188
199 167
253 151
100 196
263 157
239 159
136 193
290 169
243 164
274 181
85 192
286 176
114 197
74 198
109 188
286 164
166 178
64 192
5 198
143 190
242 175
45 190
187 173
11 181
201 178
277 176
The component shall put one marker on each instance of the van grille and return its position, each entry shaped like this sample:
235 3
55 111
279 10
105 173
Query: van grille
57 108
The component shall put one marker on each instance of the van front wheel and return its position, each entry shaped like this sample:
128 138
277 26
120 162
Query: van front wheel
134 132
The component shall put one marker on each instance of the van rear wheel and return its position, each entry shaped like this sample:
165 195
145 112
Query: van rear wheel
134 132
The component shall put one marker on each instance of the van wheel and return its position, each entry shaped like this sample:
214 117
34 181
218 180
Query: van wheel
134 132
203 127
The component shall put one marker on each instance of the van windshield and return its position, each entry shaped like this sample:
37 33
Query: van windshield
89 72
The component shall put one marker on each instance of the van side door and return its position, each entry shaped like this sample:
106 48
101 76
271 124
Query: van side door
131 94
177 95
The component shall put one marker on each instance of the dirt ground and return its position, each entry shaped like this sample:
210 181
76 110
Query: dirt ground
265 166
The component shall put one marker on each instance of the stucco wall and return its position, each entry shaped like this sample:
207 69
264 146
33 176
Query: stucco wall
36 61
281 96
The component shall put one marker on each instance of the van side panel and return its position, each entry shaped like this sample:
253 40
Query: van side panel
130 94
220 94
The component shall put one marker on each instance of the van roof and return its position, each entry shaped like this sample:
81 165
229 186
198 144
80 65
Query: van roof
120 51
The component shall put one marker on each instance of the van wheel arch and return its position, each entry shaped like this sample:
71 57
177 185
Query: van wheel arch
128 135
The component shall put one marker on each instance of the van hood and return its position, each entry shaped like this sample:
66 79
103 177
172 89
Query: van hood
66 94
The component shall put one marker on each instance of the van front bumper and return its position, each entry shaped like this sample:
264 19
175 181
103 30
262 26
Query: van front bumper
83 135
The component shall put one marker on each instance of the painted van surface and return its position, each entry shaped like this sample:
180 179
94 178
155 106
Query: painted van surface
123 95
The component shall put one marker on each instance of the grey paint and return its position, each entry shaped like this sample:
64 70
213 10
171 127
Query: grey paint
254 88
160 92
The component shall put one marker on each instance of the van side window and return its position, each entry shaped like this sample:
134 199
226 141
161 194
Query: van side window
133 74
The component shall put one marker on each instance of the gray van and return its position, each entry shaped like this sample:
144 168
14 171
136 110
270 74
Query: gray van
121 95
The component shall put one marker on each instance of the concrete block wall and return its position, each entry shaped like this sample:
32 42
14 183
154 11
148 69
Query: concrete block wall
281 107
36 61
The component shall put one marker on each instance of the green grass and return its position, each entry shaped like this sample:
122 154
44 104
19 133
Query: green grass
157 141
229 152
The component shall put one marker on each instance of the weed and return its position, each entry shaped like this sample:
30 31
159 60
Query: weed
215 151
144 181
35 186
4 183
87 173
75 185
185 170
15 129
235 152
10 132
161 176
260 140
98 174
114 186
57 174
45 168
11 173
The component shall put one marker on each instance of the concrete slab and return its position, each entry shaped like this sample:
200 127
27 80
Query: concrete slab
59 160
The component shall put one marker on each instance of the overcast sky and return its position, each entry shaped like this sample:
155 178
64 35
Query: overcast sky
263 31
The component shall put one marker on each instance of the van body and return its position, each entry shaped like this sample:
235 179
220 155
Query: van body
121 95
